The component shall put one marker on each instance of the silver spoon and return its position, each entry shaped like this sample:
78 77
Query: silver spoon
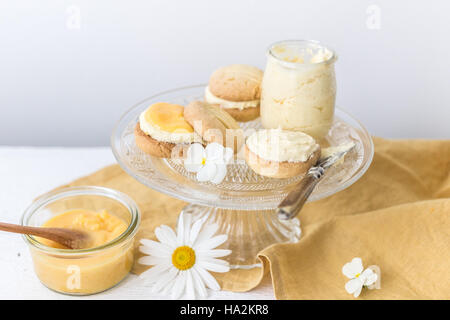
294 201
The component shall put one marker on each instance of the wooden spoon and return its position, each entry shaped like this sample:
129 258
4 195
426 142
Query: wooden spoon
72 239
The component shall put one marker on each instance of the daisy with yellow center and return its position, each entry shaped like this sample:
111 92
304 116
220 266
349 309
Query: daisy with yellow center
182 261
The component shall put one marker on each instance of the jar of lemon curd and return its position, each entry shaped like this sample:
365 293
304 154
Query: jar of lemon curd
111 216
299 87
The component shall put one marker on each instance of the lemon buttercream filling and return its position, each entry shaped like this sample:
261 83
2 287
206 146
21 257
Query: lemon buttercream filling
226 104
282 145
165 122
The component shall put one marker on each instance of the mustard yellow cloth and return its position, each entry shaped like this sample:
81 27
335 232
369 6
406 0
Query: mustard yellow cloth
397 216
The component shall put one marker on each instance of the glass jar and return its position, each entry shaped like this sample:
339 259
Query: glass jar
299 87
84 271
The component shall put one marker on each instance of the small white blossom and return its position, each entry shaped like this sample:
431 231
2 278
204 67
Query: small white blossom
359 277
209 163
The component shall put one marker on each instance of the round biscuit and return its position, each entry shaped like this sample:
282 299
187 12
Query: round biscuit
237 82
154 147
280 170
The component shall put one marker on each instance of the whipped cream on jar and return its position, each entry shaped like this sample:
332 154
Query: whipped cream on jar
299 87
282 145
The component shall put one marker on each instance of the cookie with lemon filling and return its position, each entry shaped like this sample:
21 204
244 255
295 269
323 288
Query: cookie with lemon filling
237 90
162 128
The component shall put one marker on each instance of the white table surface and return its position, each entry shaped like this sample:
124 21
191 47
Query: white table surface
26 173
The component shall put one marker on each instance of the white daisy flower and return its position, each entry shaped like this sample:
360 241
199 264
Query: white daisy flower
354 270
181 261
209 163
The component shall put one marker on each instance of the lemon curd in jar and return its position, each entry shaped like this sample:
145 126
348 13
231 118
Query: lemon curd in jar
109 217
101 227
299 88
91 273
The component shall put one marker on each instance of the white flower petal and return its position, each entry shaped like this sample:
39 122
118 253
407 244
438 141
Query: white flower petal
187 227
209 280
168 287
354 286
216 253
193 167
205 234
221 172
164 279
180 229
362 277
351 269
179 286
207 172
212 242
149 243
215 152
194 158
357 292
199 284
213 266
164 236
195 231
152 260
214 260
171 236
153 273
190 290
216 263
154 248
196 152
368 277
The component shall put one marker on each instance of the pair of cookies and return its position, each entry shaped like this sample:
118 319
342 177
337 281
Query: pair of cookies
165 130
237 90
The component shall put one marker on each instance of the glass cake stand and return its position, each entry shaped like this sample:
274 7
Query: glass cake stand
243 204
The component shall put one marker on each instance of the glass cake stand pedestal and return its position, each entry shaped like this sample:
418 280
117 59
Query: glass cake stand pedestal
243 204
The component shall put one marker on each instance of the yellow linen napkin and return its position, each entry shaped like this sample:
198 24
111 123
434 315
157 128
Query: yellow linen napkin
397 216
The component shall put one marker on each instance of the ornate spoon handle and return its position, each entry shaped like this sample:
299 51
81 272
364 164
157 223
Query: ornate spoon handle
294 201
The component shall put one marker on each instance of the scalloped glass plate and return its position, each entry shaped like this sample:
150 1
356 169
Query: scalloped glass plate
242 188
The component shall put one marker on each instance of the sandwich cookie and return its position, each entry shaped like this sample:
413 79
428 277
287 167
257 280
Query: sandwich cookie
280 153
163 132
237 90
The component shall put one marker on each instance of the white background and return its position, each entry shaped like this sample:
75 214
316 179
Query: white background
64 85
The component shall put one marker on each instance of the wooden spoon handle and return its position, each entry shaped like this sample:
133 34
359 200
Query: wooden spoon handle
62 236
73 239
23 229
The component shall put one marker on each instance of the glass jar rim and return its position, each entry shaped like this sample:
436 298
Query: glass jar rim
51 196
316 43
